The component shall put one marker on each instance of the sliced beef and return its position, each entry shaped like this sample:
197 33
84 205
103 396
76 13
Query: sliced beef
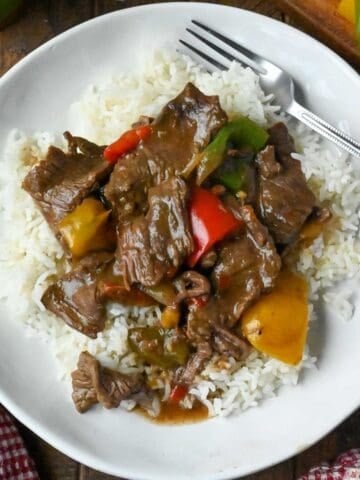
195 364
182 129
93 384
153 246
247 266
223 341
73 297
282 140
108 290
284 199
62 180
228 343
191 284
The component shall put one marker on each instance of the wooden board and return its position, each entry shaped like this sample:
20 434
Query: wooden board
320 19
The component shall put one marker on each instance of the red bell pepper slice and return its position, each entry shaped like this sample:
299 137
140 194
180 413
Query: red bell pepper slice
127 142
210 222
178 393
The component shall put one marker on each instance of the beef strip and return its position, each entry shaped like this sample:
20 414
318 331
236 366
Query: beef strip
93 384
284 199
73 297
247 266
148 197
153 246
222 341
183 128
195 364
191 284
109 290
62 180
228 343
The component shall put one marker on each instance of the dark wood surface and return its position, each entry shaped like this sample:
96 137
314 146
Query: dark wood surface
41 20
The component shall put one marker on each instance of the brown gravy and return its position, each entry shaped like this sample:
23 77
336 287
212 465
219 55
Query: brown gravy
174 414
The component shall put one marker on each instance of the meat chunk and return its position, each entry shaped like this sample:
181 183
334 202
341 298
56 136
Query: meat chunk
73 297
191 284
153 246
93 384
284 199
182 129
247 266
195 364
282 140
62 180
228 343
223 341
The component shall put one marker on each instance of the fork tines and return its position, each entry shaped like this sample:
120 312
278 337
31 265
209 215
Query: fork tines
248 58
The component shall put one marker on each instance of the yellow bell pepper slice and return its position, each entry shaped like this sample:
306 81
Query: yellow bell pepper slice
86 229
277 324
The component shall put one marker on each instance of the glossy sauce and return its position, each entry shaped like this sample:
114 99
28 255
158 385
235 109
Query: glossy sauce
173 414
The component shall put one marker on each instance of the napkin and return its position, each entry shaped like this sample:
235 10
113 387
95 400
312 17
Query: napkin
346 467
15 462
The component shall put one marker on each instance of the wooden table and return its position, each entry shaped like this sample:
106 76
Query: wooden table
42 21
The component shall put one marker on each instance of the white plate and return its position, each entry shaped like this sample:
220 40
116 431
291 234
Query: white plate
35 94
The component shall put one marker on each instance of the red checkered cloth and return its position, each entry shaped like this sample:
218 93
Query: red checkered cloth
346 467
15 462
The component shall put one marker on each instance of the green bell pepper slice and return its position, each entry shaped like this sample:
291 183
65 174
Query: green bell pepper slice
158 346
235 180
240 132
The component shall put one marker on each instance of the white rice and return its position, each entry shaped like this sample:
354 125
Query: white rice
31 257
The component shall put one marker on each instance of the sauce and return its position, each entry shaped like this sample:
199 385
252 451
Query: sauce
175 415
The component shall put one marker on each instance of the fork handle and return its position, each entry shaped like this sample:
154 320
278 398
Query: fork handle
325 129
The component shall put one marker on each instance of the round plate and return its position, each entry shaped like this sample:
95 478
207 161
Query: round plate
36 94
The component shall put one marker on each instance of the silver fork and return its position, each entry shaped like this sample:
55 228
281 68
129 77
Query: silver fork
274 80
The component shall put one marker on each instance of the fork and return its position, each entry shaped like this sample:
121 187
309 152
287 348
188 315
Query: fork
273 80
